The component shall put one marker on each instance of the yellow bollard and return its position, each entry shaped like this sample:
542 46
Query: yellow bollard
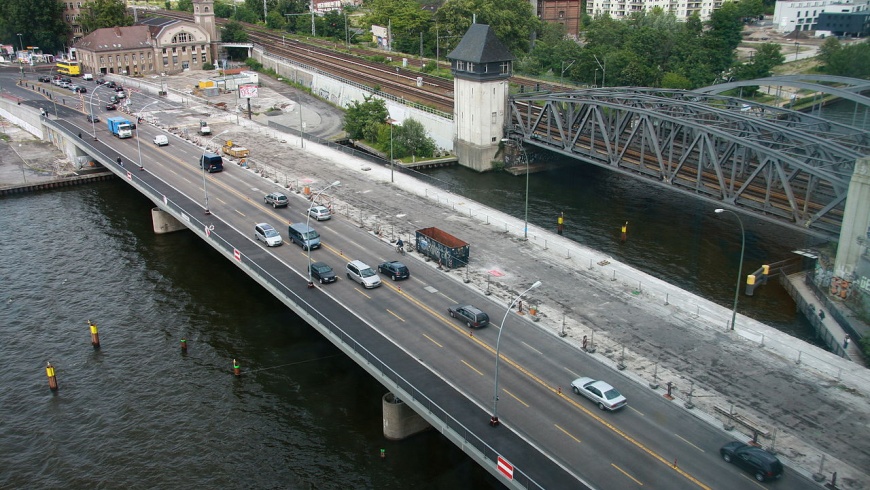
52 379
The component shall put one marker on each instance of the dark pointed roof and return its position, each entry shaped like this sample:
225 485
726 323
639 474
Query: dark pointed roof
479 45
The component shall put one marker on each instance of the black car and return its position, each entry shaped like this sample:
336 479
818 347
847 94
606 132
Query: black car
322 272
395 269
111 107
81 90
100 81
472 316
760 463
93 118
110 84
45 79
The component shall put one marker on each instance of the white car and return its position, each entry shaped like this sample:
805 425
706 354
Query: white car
267 234
600 392
161 140
363 274
319 213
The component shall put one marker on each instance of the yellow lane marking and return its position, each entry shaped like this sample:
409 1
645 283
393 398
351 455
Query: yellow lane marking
395 315
472 367
689 443
567 433
433 341
626 474
515 397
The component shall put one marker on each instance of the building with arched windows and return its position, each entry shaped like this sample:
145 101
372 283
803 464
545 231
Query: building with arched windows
152 47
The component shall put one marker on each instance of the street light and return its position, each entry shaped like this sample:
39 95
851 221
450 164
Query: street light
138 144
796 49
561 77
526 158
202 166
595 80
493 421
603 68
20 63
740 265
308 221
91 110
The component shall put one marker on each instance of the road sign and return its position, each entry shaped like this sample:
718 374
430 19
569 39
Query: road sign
505 468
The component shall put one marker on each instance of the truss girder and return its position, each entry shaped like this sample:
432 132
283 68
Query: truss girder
778 173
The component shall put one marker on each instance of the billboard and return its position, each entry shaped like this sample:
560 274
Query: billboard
248 91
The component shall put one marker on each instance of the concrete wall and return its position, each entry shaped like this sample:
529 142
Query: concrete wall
440 129
23 116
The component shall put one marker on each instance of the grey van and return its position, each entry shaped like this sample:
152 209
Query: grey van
304 236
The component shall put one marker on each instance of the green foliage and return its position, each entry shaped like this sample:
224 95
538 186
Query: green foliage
243 14
39 21
223 10
513 21
332 25
207 66
405 19
675 80
363 119
234 32
105 13
766 57
275 20
253 64
184 5
410 139
846 61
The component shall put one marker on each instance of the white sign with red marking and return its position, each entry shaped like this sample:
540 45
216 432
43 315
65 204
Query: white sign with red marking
505 468
207 231
237 254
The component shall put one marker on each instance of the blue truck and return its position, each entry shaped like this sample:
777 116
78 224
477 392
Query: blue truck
120 127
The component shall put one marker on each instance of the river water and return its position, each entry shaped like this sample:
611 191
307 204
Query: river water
138 413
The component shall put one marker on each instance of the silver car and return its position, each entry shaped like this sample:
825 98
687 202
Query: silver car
265 233
600 392
319 213
360 272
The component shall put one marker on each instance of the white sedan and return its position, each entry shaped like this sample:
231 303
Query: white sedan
600 392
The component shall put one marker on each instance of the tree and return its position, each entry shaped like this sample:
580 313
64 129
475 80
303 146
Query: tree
184 5
404 17
223 9
847 61
105 13
39 21
234 32
513 21
410 138
362 119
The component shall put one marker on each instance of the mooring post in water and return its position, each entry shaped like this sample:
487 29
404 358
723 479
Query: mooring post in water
52 379
237 370
184 346
95 335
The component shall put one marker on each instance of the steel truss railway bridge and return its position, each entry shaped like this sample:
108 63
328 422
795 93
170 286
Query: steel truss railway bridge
774 163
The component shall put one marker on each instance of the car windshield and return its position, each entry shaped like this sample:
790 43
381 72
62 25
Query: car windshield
321 268
311 235
270 232
612 394
367 272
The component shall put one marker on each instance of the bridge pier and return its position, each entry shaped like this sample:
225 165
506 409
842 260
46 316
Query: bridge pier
164 222
399 420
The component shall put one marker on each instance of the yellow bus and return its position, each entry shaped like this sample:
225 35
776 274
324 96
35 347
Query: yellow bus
71 68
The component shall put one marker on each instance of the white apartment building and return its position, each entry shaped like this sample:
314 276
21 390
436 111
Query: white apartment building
802 15
682 9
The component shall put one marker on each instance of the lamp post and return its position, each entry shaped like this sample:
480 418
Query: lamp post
526 159
138 144
595 80
390 122
739 266
20 62
308 220
91 110
493 421
796 49
564 68
603 68
202 166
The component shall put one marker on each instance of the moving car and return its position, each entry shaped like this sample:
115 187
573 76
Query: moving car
472 316
111 107
319 213
44 78
600 392
395 269
93 119
360 272
80 90
322 273
88 76
276 199
760 463
265 233
161 140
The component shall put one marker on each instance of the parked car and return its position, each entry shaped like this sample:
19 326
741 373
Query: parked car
322 273
319 213
100 81
111 107
473 317
161 140
80 90
88 76
265 233
276 199
44 78
93 118
760 463
360 272
604 395
110 84
395 270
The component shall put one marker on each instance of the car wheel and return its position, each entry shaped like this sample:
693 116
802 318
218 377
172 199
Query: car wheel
726 457
576 390
759 476
393 277
321 280
601 406
274 206
468 324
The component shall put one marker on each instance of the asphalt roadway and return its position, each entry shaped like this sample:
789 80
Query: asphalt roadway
816 407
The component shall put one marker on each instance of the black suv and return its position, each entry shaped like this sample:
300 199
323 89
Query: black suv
763 465
395 269
469 314
322 272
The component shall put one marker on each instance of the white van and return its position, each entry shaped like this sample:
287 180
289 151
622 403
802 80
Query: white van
87 76
161 140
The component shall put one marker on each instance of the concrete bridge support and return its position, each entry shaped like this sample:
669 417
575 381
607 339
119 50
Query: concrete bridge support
164 222
856 222
399 420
